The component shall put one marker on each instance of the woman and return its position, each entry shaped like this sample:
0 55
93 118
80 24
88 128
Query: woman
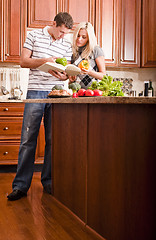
85 47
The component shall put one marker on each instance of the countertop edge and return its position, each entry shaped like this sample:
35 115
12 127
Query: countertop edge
87 100
95 100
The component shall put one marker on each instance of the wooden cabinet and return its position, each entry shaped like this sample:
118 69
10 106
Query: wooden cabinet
129 33
1 29
70 157
105 171
117 25
41 13
80 11
13 27
148 33
121 171
106 29
11 118
117 28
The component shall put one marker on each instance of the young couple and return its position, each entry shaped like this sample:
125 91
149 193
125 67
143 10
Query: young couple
45 45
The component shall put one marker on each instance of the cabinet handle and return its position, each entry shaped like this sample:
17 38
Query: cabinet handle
7 54
5 109
6 128
5 153
121 60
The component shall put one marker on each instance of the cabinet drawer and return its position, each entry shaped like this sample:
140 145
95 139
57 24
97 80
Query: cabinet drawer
10 127
9 152
11 109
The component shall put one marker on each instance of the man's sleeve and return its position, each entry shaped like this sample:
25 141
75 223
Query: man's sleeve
29 42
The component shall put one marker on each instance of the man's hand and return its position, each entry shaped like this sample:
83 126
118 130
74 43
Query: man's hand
61 75
72 79
27 62
51 59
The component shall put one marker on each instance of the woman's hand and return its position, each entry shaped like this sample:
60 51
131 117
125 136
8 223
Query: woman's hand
85 71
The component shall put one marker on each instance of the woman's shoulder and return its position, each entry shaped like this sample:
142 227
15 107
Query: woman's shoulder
98 51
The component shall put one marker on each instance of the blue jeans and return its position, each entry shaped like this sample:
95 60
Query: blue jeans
33 114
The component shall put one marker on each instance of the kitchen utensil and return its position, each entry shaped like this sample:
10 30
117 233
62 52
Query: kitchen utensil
16 88
3 86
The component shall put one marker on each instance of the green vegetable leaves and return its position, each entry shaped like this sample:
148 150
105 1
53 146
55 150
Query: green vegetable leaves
62 61
108 87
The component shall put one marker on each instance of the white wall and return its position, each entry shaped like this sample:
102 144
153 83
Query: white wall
139 75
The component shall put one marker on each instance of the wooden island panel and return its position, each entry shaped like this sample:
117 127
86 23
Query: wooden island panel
103 166
69 154
121 171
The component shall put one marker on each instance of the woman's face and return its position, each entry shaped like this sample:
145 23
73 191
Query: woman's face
82 38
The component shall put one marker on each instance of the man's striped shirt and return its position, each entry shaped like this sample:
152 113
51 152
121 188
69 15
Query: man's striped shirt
39 41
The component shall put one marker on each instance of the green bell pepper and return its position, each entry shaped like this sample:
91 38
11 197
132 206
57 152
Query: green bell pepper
62 61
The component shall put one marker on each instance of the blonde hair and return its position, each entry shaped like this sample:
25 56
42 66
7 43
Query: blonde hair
92 41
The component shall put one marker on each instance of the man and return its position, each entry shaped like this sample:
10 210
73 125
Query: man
41 45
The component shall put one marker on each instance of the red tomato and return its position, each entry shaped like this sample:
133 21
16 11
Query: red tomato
81 92
75 95
97 92
89 92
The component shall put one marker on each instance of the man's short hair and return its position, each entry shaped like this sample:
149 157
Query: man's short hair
64 18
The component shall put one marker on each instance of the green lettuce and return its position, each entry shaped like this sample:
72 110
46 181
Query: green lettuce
108 87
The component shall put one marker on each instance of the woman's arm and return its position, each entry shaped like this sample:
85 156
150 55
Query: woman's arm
100 61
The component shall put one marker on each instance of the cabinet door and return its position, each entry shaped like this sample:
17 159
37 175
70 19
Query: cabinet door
129 33
41 13
81 11
118 31
1 29
106 29
14 29
11 118
148 34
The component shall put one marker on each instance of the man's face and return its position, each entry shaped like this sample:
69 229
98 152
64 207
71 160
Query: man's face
59 32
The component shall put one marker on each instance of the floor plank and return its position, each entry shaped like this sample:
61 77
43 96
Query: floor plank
36 217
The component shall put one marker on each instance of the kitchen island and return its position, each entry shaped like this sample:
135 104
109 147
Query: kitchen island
104 163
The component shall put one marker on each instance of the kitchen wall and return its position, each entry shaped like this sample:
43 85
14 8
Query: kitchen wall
139 75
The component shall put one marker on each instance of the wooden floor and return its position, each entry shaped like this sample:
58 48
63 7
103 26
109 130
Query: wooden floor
36 217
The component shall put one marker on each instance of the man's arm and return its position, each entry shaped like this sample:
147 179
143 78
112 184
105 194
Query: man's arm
27 62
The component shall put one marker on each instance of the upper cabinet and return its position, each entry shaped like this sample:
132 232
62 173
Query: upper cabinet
125 29
118 31
129 25
81 11
148 33
12 29
41 14
106 29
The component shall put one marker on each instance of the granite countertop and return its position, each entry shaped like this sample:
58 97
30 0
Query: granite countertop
103 100
80 100
10 101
